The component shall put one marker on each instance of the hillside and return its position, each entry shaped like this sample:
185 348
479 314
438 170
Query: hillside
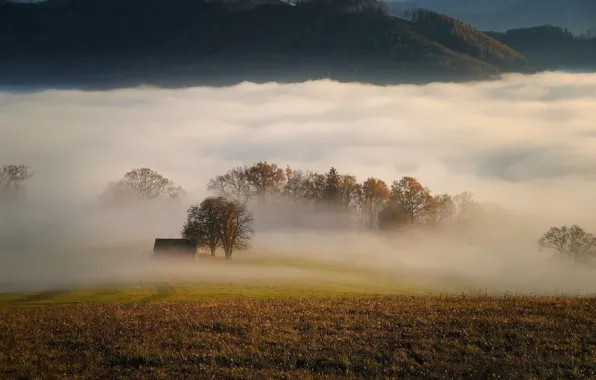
465 39
188 41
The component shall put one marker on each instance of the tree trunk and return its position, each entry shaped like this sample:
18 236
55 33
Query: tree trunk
228 254
212 251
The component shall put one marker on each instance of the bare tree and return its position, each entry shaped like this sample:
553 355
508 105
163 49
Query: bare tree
12 178
234 184
202 223
570 242
467 209
144 183
415 200
235 227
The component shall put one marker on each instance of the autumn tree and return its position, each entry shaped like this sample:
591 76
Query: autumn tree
443 209
570 242
143 183
265 178
373 198
235 227
202 223
294 187
234 184
12 178
349 191
314 188
414 199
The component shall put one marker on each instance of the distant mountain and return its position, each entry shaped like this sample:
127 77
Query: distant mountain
457 7
575 15
184 42
551 47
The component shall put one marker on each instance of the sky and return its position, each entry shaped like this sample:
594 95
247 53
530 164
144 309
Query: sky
527 143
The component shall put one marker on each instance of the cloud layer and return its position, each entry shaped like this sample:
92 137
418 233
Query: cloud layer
525 142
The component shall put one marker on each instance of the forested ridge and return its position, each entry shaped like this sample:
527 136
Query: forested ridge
194 42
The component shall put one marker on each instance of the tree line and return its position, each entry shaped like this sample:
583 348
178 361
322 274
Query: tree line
377 204
224 220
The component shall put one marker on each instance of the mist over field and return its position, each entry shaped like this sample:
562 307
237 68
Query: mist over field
524 143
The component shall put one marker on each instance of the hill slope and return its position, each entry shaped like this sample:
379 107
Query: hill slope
189 41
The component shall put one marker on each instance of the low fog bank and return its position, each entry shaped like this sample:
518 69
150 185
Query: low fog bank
526 143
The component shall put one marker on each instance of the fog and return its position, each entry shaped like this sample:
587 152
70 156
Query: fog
526 143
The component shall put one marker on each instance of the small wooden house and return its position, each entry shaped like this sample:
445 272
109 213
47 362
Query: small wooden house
175 248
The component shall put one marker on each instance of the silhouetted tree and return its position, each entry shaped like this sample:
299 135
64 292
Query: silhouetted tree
235 227
202 223
570 242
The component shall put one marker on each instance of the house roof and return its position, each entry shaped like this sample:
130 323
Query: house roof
161 243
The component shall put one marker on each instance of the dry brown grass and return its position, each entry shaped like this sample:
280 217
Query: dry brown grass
367 337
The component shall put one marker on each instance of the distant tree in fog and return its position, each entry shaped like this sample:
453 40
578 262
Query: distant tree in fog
143 183
202 223
294 189
314 185
373 197
443 209
349 191
261 179
12 178
265 179
219 222
414 199
392 217
570 242
466 208
333 187
234 184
